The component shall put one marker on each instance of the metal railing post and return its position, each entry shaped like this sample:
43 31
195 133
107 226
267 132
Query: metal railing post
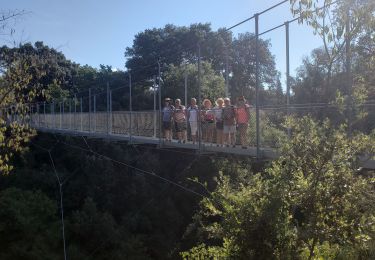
37 111
60 117
94 113
130 107
107 108
160 106
287 73
186 86
54 115
63 113
89 109
257 83
199 100
75 113
348 71
110 112
227 73
81 106
154 87
70 113
51 116
44 114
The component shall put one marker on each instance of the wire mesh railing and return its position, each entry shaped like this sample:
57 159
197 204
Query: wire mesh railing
273 132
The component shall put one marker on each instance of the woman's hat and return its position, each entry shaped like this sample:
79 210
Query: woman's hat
167 99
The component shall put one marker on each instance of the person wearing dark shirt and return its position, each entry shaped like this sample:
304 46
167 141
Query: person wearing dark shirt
167 114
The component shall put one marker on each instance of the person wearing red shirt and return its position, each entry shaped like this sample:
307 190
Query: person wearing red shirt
242 118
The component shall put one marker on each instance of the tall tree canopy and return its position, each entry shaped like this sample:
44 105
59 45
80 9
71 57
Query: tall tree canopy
176 46
49 67
340 71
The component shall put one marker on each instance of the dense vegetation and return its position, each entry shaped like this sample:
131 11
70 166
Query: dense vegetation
123 201
112 211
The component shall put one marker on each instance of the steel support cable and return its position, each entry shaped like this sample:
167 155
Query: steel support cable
135 70
272 7
370 101
96 94
60 191
128 218
149 202
308 106
231 27
152 172
297 18
180 173
270 108
193 46
173 150
144 172
105 91
237 24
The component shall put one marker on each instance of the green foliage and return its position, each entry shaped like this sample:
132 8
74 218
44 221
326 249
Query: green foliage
243 66
173 46
99 236
311 202
112 211
29 73
56 93
15 91
344 64
41 67
28 227
212 85
203 252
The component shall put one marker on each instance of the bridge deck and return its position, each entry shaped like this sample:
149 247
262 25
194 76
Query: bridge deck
266 153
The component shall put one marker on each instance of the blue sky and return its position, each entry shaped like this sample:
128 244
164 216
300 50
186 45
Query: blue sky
97 32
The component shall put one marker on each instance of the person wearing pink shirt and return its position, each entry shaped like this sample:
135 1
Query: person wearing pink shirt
242 118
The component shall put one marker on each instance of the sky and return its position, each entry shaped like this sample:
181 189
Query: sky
97 32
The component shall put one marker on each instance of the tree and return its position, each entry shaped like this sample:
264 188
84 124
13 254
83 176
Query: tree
28 225
14 96
48 68
98 236
242 64
174 45
339 27
169 45
29 73
338 73
212 85
311 202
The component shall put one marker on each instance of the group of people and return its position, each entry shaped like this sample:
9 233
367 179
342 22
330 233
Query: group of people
221 121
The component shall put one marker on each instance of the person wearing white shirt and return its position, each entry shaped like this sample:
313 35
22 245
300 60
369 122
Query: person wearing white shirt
193 119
